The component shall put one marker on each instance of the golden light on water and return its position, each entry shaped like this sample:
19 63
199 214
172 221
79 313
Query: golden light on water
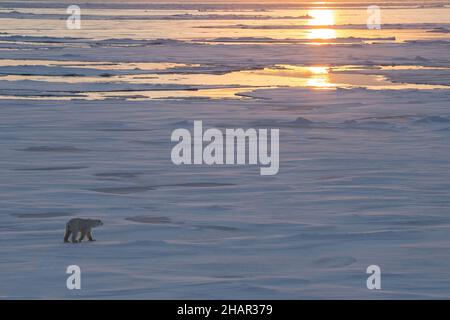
318 70
319 77
322 17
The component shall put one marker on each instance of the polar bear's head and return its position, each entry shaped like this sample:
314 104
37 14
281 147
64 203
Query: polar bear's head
98 223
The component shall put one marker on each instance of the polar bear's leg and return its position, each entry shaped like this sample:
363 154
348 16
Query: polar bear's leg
67 235
83 234
74 235
89 234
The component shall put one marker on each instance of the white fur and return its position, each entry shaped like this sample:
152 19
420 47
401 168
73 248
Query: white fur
83 226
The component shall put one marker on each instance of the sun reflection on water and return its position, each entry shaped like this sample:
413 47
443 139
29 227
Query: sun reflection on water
319 78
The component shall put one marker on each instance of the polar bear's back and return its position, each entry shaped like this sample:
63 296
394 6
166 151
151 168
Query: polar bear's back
79 223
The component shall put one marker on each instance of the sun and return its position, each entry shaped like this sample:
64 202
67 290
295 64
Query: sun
322 17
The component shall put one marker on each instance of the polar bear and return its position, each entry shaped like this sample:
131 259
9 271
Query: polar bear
76 225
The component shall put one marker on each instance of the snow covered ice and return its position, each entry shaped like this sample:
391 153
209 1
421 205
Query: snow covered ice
86 118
